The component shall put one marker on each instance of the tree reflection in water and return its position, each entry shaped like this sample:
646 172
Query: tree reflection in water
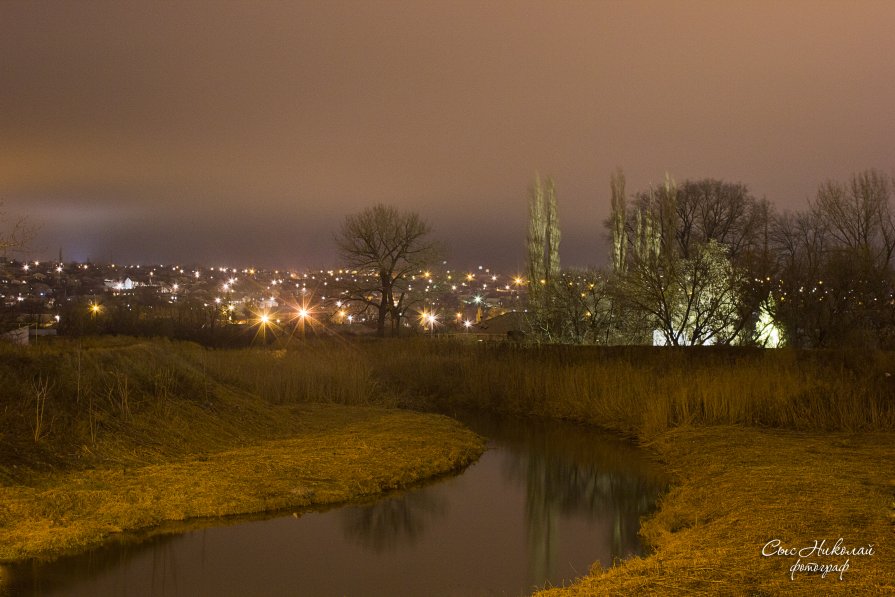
394 521
579 471
582 472
37 577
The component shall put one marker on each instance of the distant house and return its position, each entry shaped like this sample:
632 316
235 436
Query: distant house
268 303
511 326
119 285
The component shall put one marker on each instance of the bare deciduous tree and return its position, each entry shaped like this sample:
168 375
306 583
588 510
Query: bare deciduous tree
697 211
698 266
386 246
16 234
858 215
835 261
691 300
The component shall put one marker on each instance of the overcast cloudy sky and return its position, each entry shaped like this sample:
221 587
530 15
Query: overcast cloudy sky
241 133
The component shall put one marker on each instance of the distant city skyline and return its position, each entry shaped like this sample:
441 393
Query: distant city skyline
242 134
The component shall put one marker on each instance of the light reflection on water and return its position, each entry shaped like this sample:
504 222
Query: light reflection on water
541 505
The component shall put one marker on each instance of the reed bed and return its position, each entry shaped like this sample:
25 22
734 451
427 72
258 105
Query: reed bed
644 391
68 401
320 372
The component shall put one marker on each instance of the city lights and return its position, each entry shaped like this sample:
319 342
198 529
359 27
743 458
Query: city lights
269 304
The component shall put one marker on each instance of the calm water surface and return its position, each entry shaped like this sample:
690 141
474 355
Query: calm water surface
542 504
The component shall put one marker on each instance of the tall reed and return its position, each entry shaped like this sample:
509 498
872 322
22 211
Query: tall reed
323 372
128 399
645 390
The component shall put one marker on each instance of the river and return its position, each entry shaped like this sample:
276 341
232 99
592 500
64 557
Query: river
543 503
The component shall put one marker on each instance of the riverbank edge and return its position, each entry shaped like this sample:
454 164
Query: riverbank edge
340 455
734 489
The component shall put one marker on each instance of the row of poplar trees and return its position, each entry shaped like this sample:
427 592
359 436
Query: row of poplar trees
705 262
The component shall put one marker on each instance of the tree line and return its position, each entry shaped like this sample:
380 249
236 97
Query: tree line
692 263
706 262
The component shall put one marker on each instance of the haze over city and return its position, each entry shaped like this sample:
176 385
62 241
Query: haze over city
401 297
224 133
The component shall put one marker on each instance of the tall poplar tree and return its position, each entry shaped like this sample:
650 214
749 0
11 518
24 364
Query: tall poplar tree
537 232
553 234
617 220
543 258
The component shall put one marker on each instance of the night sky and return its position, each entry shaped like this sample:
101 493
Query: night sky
241 133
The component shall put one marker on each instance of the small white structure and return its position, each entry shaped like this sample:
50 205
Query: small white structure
268 303
126 284
18 336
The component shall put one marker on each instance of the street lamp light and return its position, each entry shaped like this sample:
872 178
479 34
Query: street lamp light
303 314
265 322
431 319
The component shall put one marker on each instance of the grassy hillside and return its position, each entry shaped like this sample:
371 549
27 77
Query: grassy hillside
109 435
78 404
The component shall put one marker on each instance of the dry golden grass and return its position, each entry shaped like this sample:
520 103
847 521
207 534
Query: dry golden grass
323 371
643 391
123 402
342 453
738 488
764 444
